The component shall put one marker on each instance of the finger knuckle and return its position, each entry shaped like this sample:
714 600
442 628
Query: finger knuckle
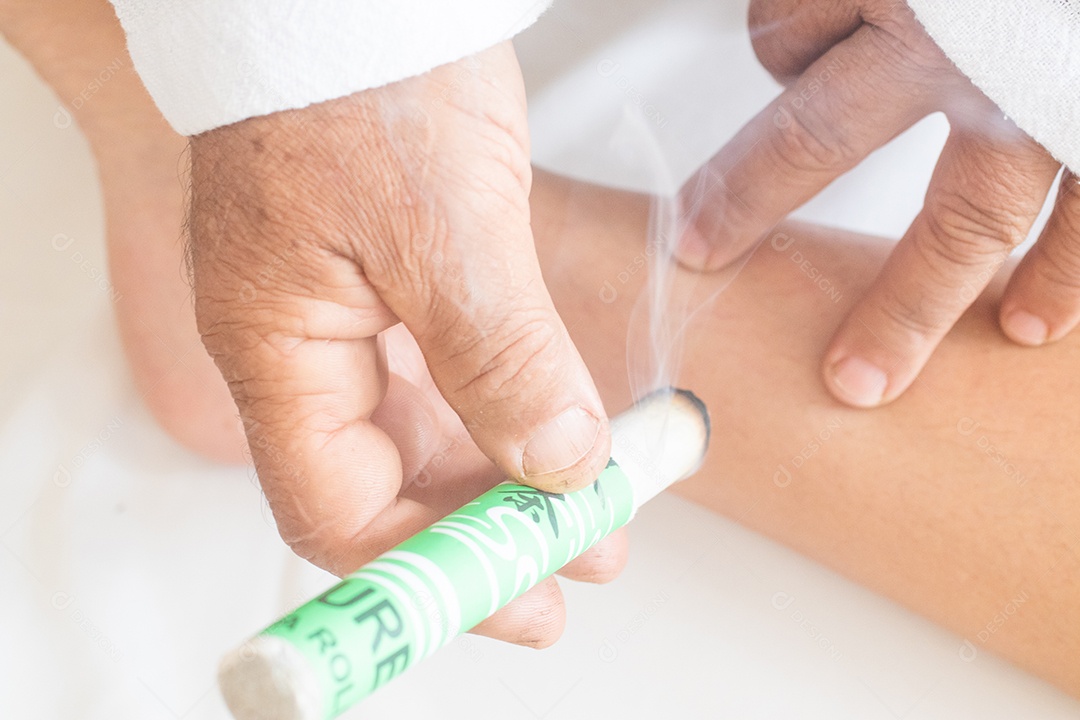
508 147
409 263
965 232
309 535
1069 191
808 143
247 358
526 353
897 35
327 542
1058 264
1065 219
908 314
222 333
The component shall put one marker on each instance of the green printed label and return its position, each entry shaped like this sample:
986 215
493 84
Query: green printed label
414 599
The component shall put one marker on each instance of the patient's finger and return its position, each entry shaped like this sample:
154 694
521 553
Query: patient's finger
789 35
799 144
535 619
1042 300
984 196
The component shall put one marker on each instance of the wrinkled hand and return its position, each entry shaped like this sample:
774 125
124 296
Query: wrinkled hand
859 72
313 232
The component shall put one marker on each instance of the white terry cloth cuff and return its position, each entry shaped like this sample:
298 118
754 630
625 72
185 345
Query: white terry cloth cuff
1025 55
209 63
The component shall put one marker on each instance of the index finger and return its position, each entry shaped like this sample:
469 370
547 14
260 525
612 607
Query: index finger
852 100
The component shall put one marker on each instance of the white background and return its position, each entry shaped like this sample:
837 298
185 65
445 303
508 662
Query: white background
122 583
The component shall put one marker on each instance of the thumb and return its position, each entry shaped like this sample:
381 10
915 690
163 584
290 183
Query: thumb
502 358
459 268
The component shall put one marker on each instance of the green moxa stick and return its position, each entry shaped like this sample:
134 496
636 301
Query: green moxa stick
332 652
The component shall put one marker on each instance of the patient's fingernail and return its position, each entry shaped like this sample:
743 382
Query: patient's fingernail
1025 328
859 382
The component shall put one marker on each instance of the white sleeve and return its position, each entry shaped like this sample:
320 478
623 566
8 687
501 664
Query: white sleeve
1024 54
208 63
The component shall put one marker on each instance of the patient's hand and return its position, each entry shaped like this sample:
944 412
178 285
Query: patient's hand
951 501
858 72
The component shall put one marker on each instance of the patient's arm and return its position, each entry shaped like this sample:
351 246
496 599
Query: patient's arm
957 499
72 44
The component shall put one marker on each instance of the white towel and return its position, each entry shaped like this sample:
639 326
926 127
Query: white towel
1024 55
209 63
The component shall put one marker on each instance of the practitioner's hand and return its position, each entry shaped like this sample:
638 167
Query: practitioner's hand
442 469
315 230
858 72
